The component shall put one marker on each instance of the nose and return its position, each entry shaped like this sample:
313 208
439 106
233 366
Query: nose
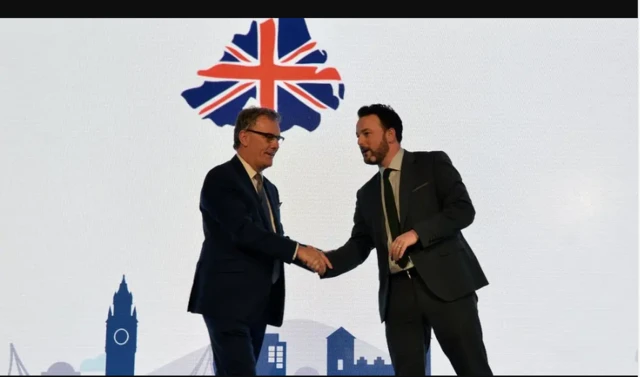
360 141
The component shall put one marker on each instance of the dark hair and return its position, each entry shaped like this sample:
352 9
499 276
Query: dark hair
388 117
247 118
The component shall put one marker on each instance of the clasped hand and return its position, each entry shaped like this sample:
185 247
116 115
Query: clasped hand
314 259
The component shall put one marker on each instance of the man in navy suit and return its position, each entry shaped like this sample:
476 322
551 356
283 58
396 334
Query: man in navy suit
412 212
239 285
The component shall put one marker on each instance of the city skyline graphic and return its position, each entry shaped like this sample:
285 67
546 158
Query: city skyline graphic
299 347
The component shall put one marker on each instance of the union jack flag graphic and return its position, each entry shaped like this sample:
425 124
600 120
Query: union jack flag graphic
279 65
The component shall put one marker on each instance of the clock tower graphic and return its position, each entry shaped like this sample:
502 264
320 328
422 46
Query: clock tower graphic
122 334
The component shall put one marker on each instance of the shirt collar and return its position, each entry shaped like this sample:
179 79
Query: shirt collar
396 162
252 173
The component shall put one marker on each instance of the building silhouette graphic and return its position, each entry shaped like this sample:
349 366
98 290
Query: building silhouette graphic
21 370
121 334
204 366
273 357
61 369
340 358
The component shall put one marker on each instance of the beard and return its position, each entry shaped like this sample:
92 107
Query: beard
376 156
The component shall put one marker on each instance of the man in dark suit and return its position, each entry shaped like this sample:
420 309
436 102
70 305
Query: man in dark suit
239 284
412 212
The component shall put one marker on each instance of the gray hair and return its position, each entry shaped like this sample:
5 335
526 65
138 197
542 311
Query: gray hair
247 118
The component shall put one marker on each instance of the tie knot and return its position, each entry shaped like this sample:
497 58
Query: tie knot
387 172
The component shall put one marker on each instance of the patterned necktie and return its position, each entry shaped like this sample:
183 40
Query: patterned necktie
392 214
265 208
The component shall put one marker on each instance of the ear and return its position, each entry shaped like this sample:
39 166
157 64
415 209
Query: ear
391 135
244 138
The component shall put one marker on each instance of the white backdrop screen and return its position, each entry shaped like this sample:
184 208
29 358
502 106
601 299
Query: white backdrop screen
103 160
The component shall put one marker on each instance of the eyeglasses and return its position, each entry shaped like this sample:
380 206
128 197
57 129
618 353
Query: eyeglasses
269 136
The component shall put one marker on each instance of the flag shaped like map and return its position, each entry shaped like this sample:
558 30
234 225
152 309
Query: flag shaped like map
279 66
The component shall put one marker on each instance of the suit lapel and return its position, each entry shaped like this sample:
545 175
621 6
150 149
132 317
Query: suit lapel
407 181
271 195
376 197
244 179
247 185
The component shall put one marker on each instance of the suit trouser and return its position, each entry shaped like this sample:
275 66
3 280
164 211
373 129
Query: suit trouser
235 346
411 314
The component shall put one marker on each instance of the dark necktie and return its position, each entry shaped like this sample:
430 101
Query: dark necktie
265 208
392 214
263 200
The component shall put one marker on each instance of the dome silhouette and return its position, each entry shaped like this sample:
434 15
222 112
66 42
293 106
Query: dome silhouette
307 371
60 369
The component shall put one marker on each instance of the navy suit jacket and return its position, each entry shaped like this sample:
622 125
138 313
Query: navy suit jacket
233 274
435 203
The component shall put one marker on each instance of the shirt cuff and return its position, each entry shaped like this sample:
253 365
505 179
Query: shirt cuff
296 252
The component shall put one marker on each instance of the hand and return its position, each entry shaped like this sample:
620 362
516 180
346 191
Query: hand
314 259
401 243
326 260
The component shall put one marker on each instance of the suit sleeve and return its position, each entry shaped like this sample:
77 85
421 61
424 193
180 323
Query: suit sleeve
222 202
294 260
457 210
355 251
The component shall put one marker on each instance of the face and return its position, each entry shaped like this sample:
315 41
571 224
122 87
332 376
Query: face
372 139
261 142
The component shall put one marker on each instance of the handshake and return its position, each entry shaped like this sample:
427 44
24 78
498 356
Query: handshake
313 258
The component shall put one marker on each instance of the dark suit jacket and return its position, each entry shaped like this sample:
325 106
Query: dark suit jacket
233 275
434 202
